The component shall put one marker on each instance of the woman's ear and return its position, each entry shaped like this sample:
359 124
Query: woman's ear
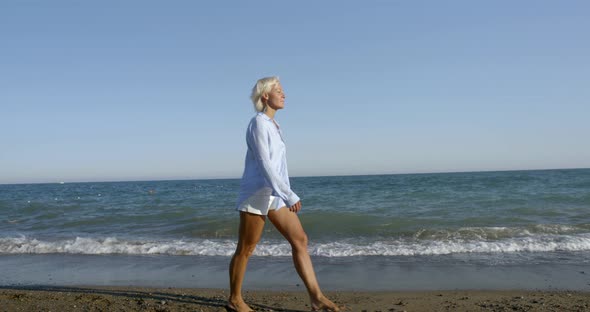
264 97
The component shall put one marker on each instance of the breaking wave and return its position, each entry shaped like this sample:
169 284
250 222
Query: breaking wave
343 248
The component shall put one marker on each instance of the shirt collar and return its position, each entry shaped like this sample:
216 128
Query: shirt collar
265 116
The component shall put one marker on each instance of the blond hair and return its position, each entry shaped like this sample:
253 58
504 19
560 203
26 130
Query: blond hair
263 85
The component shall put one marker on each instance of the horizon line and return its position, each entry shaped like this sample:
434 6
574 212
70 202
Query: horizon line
299 176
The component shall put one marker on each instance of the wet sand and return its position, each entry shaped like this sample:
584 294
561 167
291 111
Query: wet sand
278 273
100 298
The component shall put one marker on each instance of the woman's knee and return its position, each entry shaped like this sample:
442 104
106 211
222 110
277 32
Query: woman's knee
299 241
246 249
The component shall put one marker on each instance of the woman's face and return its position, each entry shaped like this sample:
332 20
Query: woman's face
276 97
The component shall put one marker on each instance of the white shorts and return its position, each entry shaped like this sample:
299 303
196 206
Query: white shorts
261 204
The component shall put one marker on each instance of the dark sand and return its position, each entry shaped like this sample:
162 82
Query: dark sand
57 298
357 284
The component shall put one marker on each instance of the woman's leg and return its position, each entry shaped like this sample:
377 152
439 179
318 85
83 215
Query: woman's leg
287 222
251 227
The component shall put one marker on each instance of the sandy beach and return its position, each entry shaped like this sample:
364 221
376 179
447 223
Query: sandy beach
56 298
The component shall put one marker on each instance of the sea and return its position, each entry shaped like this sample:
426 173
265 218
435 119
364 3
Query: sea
514 228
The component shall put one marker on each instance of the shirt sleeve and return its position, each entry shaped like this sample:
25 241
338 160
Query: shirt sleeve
259 140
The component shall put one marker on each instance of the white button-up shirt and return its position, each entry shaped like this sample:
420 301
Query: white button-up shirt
265 171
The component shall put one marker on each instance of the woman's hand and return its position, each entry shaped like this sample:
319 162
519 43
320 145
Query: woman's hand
295 208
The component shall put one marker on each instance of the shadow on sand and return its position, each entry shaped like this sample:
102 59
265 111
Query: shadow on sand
143 295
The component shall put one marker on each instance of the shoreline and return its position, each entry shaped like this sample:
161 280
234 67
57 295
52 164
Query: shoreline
112 298
277 273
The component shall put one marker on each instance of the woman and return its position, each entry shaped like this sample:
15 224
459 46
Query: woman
265 192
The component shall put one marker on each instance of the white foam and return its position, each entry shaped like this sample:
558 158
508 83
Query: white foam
218 247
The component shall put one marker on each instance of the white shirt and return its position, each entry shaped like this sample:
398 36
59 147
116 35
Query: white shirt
265 170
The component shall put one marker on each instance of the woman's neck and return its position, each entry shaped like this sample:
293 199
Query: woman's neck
270 112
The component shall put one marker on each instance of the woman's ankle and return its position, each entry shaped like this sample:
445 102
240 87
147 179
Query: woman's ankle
316 297
235 298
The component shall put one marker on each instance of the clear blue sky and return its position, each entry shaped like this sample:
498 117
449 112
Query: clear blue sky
141 90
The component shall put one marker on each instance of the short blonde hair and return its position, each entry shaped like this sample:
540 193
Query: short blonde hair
263 85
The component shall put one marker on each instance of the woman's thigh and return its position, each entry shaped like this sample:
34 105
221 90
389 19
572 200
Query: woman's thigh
288 224
251 226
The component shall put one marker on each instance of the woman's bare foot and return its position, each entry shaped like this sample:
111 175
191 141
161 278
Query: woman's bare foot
238 306
324 304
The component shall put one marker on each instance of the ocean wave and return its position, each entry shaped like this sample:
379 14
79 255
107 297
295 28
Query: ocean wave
346 248
500 232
